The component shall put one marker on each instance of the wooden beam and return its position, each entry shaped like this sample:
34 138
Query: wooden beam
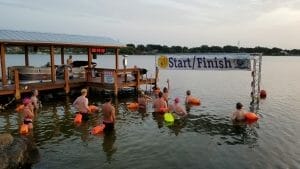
26 56
117 58
17 84
66 76
138 79
116 83
156 75
52 62
3 66
62 55
89 69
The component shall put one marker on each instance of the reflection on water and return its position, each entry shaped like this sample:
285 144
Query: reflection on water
108 144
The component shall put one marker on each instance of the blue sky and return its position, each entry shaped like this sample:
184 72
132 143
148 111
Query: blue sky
270 23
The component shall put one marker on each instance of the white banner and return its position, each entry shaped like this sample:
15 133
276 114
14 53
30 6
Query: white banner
204 62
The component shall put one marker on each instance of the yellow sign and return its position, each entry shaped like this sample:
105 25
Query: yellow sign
163 62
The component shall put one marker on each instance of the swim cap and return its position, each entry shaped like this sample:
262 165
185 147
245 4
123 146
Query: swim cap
26 101
176 100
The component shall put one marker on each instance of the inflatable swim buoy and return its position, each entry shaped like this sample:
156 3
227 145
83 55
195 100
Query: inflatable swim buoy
162 110
93 108
132 106
251 116
263 94
78 118
20 108
169 117
98 129
24 129
194 101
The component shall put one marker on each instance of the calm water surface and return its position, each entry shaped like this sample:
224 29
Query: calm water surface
206 139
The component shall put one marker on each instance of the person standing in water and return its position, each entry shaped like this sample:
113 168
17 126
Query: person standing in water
177 108
109 115
143 100
159 103
166 91
35 101
81 104
239 114
28 113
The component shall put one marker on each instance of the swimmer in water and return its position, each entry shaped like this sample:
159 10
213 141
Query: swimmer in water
239 114
81 104
109 115
159 103
177 108
143 100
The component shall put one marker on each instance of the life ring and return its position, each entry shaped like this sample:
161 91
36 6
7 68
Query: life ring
24 129
98 129
20 108
194 101
132 106
249 116
93 109
78 118
169 117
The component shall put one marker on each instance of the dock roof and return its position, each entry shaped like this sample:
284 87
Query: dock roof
13 37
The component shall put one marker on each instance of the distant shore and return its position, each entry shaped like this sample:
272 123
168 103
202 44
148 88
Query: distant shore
152 49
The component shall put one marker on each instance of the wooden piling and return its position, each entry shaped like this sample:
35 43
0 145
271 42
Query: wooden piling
17 84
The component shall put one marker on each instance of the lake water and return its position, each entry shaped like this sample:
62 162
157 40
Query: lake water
206 139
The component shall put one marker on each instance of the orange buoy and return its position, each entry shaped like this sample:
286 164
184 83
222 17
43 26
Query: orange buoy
93 109
24 129
194 101
132 106
78 118
263 94
98 129
20 108
251 116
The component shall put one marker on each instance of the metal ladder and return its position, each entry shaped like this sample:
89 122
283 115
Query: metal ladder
256 79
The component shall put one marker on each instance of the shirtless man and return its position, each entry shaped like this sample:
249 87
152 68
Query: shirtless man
35 100
69 60
177 108
239 114
143 100
109 115
81 104
188 97
159 103
166 91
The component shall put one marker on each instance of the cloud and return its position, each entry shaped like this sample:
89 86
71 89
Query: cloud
172 22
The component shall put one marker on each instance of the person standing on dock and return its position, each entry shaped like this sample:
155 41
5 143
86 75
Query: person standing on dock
109 115
35 101
81 104
69 60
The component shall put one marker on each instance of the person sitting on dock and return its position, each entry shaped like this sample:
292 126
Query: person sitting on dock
239 114
81 103
35 101
109 115
160 103
69 60
28 113
143 100
177 109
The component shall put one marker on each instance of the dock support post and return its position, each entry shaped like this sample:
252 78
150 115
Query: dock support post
17 84
116 83
117 58
3 66
89 69
66 76
52 62
26 56
62 55
138 79
156 75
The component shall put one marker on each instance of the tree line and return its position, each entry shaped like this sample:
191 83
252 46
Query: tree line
140 49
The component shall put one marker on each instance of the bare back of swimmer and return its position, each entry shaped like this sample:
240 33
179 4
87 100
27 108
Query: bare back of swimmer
109 117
